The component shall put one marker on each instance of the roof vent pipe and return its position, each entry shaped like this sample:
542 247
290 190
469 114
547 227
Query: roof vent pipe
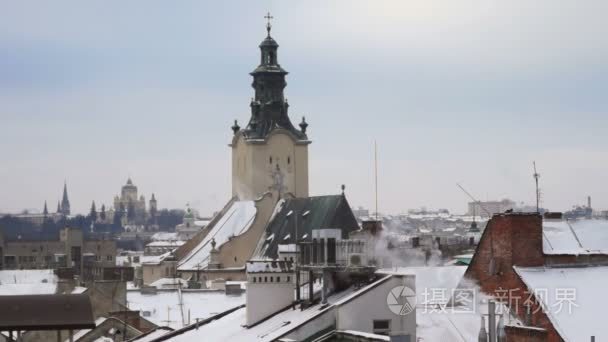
483 335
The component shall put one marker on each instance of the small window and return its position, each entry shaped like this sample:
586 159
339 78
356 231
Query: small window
288 279
254 279
270 159
278 279
259 279
271 279
382 326
109 258
265 279
288 160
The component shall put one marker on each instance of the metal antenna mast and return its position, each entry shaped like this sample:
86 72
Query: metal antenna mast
376 175
536 177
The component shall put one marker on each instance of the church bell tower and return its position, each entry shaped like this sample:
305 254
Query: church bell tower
269 154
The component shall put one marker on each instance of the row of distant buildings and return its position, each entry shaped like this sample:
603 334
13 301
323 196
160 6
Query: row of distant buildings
128 204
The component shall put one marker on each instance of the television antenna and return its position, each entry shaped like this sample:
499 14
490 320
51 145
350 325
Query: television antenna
536 176
376 175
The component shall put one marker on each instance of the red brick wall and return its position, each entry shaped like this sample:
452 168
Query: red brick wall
520 334
561 259
512 240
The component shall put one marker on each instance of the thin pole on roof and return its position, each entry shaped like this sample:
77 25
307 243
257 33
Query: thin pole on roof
536 176
376 175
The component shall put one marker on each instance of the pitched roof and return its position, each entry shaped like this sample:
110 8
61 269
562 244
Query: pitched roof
234 222
228 326
575 236
310 213
61 312
583 287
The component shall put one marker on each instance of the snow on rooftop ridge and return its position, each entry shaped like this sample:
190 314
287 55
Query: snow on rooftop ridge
166 243
589 285
375 337
153 335
269 266
235 221
153 259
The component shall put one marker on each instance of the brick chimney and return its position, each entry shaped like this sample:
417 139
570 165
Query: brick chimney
511 239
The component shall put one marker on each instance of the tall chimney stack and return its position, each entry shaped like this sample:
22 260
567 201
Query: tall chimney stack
588 201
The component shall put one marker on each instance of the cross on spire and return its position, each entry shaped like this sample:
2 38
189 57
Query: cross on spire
268 17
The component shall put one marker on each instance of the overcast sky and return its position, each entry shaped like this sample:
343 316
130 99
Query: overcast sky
453 91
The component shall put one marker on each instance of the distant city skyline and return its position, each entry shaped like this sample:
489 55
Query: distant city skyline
467 93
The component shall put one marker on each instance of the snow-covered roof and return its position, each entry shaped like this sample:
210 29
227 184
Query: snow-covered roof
365 335
152 335
79 290
165 305
433 324
235 221
447 326
290 248
429 278
164 236
269 266
82 332
153 259
585 286
172 282
202 223
175 243
27 282
230 327
583 236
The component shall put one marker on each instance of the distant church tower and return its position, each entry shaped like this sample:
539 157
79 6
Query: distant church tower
269 154
65 202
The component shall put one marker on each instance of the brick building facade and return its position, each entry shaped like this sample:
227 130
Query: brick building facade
516 241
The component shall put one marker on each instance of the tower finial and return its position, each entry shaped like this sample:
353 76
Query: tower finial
268 24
